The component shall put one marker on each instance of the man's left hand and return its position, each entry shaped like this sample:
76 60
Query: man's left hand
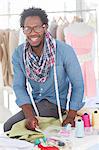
70 118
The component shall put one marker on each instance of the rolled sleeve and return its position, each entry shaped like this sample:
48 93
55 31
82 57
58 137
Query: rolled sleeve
76 99
19 81
76 105
22 96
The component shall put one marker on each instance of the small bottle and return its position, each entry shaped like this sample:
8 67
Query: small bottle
68 127
66 131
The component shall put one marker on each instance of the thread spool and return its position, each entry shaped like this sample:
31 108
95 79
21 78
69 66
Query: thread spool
86 120
79 132
95 119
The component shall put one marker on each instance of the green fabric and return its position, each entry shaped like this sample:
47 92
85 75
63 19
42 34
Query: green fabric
19 130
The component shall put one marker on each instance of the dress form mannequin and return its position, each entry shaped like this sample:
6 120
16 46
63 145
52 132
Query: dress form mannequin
81 37
4 112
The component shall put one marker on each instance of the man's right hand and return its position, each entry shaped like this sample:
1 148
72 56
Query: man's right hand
31 123
31 120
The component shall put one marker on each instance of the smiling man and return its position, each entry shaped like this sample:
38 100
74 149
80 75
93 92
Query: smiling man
49 66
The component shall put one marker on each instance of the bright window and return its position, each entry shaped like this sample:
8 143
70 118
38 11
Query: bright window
17 6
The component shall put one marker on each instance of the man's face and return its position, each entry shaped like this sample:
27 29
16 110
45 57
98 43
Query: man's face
34 30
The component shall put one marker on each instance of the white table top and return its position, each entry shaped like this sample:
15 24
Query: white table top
88 142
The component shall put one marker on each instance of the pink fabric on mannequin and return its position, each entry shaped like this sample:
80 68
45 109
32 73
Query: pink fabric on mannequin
82 44
83 47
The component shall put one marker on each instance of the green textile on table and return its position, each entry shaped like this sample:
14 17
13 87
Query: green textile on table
19 130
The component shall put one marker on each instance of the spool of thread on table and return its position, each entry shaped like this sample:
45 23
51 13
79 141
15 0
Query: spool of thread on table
79 131
95 119
86 120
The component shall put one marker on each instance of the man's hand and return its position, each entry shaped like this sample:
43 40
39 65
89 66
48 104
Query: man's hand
67 121
31 123
70 118
31 120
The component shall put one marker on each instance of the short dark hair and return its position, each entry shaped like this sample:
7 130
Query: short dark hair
33 12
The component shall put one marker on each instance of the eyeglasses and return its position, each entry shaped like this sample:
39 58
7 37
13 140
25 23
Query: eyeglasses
28 30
